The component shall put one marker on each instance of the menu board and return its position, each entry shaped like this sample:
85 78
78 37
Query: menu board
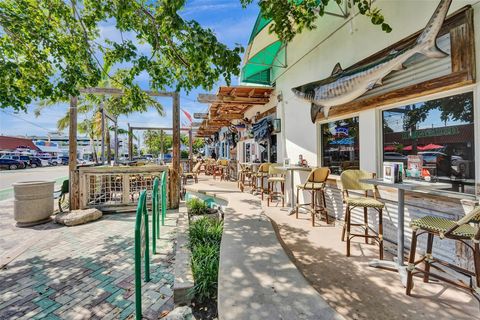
393 172
414 166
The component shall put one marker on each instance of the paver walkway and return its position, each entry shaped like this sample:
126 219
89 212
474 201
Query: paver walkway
82 272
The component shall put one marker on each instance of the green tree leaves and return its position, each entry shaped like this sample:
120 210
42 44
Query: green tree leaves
52 48
291 17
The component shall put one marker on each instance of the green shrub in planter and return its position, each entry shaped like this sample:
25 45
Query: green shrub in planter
205 231
205 236
197 206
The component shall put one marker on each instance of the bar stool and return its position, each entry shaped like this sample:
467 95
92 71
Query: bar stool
351 181
461 231
261 174
275 175
243 173
218 169
315 184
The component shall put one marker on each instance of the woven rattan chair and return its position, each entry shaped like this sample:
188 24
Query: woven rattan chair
261 174
243 176
315 184
275 175
461 230
192 175
351 182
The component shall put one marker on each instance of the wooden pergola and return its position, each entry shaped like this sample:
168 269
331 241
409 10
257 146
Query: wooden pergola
73 173
229 104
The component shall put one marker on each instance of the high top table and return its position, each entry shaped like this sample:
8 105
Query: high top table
291 169
408 185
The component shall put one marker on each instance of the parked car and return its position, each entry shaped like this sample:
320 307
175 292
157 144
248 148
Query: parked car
35 162
64 160
55 161
25 160
394 156
11 164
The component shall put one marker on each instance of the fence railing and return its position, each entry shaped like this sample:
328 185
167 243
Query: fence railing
102 187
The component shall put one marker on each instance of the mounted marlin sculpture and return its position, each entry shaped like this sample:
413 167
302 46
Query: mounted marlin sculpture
346 85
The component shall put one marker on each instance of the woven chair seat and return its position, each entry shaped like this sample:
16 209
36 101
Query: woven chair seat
276 179
364 202
261 174
442 225
189 174
311 186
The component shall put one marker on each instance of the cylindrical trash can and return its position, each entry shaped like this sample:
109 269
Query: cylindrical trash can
33 202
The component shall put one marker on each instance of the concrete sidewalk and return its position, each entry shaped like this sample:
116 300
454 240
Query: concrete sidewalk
258 281
256 278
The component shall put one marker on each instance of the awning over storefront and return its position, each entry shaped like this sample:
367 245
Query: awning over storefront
230 104
258 67
264 52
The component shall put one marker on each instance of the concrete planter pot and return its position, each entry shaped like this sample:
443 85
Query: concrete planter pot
33 202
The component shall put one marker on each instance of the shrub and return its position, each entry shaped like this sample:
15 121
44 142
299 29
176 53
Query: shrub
197 206
205 231
205 236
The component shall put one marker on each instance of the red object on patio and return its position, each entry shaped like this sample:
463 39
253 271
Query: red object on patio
431 146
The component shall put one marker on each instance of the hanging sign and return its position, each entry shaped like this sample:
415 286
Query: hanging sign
200 115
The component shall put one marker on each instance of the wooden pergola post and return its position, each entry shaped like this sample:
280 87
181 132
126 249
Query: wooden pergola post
74 193
190 150
175 183
130 143
162 144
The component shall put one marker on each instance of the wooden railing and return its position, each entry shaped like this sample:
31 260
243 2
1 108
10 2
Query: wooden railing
102 187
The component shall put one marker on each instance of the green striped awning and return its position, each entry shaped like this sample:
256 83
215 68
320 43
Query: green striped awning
258 68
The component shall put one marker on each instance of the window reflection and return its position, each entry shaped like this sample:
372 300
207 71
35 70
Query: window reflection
441 131
340 145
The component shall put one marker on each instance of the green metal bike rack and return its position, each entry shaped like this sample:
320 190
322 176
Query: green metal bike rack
155 215
141 248
164 196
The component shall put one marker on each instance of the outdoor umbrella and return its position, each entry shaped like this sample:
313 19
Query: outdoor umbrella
431 146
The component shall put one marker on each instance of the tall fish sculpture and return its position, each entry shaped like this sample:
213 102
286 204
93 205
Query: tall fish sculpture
346 85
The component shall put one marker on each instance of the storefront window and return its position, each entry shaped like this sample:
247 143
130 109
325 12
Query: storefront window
439 133
340 143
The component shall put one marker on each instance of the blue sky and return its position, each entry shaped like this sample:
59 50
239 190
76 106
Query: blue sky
231 23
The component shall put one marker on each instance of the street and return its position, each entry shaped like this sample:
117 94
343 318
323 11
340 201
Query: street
9 177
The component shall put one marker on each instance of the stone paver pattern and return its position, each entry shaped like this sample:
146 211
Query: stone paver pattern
82 272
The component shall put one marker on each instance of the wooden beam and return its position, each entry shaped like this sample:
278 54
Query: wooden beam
212 98
74 193
230 116
206 97
266 113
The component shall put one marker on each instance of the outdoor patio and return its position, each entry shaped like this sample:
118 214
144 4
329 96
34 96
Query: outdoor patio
352 288
83 272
